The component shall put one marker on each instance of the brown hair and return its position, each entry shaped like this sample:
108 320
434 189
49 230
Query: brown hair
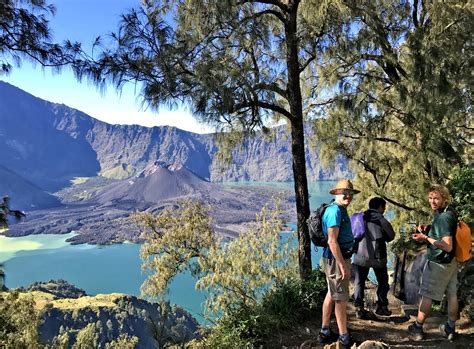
441 190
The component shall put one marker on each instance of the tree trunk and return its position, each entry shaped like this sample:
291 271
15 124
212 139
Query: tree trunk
302 198
297 143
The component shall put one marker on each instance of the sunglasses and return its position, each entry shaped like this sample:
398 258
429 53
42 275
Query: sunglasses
346 192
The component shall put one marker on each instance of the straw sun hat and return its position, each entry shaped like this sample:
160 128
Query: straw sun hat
343 184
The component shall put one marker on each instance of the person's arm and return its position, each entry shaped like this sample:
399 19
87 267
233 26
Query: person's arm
333 233
445 244
387 230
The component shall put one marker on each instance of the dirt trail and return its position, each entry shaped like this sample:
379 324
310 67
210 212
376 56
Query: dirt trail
390 330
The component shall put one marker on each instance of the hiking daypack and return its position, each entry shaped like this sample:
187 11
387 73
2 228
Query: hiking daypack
358 225
463 246
315 226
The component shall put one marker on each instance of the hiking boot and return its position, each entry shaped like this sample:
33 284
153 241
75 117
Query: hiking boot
363 314
327 338
347 343
447 331
416 332
383 311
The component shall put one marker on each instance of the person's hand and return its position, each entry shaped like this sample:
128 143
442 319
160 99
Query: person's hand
419 237
344 271
423 228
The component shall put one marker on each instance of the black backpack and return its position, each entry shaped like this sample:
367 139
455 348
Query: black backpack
315 226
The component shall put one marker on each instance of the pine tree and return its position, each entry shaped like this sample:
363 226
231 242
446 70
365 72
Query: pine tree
399 78
237 63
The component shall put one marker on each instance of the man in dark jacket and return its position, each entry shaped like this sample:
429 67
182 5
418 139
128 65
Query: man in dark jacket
371 252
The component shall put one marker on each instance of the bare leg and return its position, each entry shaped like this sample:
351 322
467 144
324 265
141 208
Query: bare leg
453 308
341 316
328 305
424 310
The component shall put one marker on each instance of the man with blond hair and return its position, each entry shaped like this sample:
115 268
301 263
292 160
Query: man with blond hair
336 263
441 269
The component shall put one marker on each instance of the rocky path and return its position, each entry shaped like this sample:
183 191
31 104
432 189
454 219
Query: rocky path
381 332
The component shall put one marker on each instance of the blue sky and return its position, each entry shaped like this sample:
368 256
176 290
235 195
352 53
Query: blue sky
83 21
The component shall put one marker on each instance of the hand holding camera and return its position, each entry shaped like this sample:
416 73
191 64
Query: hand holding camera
421 232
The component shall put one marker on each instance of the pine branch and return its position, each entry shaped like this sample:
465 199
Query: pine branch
398 204
380 139
274 13
282 6
264 105
273 87
414 15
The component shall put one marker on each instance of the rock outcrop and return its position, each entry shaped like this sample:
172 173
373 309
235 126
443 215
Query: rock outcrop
62 313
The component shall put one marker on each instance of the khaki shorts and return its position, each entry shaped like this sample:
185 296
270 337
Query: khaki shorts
438 279
338 288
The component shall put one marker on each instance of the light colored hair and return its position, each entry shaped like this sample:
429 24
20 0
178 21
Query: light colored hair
441 190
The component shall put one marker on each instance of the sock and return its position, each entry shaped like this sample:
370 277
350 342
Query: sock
419 324
325 330
451 324
344 337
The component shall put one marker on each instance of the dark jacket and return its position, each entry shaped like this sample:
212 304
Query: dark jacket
371 250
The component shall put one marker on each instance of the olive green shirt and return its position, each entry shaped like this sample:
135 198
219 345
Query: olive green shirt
444 224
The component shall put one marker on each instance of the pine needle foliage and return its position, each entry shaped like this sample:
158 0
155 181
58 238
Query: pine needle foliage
25 35
461 188
239 64
234 274
399 78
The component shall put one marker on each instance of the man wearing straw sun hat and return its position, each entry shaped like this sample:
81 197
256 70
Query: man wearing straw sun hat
336 263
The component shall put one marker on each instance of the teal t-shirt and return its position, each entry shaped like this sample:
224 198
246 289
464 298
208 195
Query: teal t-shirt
337 216
444 224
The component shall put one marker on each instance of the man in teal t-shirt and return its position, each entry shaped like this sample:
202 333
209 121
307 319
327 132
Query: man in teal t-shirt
336 215
441 270
336 263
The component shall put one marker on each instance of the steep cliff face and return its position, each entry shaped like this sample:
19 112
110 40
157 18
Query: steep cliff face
268 158
66 310
124 150
32 146
50 144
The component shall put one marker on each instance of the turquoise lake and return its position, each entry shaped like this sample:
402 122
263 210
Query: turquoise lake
107 269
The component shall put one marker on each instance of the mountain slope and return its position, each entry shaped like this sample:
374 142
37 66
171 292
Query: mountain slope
156 183
32 146
104 217
49 144
23 194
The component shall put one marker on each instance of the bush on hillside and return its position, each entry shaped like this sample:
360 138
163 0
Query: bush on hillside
18 321
285 304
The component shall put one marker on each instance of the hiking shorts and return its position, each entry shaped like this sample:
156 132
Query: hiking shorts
438 279
338 288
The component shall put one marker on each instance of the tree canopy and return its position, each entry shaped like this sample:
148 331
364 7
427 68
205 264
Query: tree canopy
399 78
237 63
234 274
25 35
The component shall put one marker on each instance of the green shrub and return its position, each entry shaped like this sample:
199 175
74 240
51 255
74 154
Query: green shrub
281 306
18 321
461 188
